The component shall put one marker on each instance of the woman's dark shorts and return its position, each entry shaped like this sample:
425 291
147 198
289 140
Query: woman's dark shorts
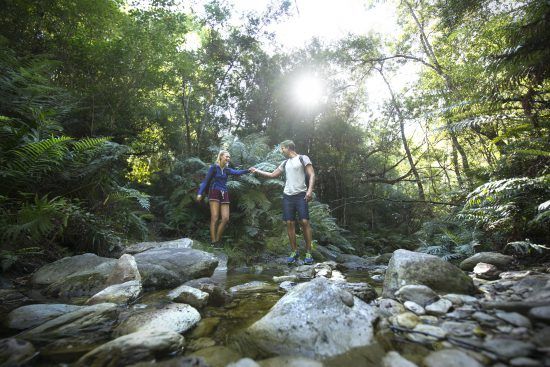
218 195
293 204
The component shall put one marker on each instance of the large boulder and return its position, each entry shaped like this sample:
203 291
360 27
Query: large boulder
122 293
316 319
163 268
499 260
408 267
135 347
144 246
29 316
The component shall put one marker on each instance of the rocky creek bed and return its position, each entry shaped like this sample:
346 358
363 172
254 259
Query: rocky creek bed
169 304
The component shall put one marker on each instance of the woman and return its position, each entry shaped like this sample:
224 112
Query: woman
218 195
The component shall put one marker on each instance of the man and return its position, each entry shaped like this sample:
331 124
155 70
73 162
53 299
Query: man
296 196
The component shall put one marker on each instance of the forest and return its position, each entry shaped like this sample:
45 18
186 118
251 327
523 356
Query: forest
112 112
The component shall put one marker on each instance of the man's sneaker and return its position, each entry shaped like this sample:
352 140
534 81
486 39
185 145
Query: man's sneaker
308 259
217 244
292 258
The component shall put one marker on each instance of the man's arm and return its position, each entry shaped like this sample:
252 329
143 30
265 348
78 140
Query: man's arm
273 174
311 174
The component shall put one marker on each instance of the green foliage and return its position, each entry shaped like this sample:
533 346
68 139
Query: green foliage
450 239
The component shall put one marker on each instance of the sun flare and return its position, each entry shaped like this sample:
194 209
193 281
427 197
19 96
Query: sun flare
308 90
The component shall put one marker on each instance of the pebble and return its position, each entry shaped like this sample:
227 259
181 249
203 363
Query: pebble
414 307
440 307
407 320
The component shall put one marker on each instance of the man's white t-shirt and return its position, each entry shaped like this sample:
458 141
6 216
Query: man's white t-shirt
295 175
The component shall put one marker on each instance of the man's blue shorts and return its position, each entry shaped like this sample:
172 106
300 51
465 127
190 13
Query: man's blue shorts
293 204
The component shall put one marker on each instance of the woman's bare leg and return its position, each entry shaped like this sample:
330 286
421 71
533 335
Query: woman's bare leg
223 221
214 216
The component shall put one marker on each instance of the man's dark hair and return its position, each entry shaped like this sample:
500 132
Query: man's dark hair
289 144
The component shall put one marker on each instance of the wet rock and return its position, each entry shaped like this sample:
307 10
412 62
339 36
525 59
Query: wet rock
394 359
485 319
514 318
286 361
414 307
542 337
175 362
497 259
311 320
515 275
178 317
251 287
426 333
33 315
327 253
162 268
524 362
486 271
124 271
217 356
450 358
323 270
509 348
378 278
118 293
419 294
363 291
439 308
205 327
407 267
540 313
16 352
192 296
389 307
144 246
429 320
460 299
217 296
287 285
134 347
200 343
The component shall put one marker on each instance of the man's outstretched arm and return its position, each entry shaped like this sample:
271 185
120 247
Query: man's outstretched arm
273 174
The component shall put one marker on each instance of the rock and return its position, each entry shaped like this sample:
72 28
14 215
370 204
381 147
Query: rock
407 267
311 320
463 328
68 266
118 293
497 259
524 362
217 296
439 308
11 299
426 334
450 358
419 294
163 268
460 299
200 343
394 359
486 271
323 270
175 362
217 356
285 278
515 275
124 271
328 254
363 291
244 362
389 307
287 285
353 262
514 318
178 317
286 361
33 315
192 296
461 312
144 246
304 272
508 348
16 352
407 320
134 347
414 307
205 327
378 278
429 320
485 319
542 337
251 287
540 313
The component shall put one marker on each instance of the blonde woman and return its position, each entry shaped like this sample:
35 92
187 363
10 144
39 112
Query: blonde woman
218 195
